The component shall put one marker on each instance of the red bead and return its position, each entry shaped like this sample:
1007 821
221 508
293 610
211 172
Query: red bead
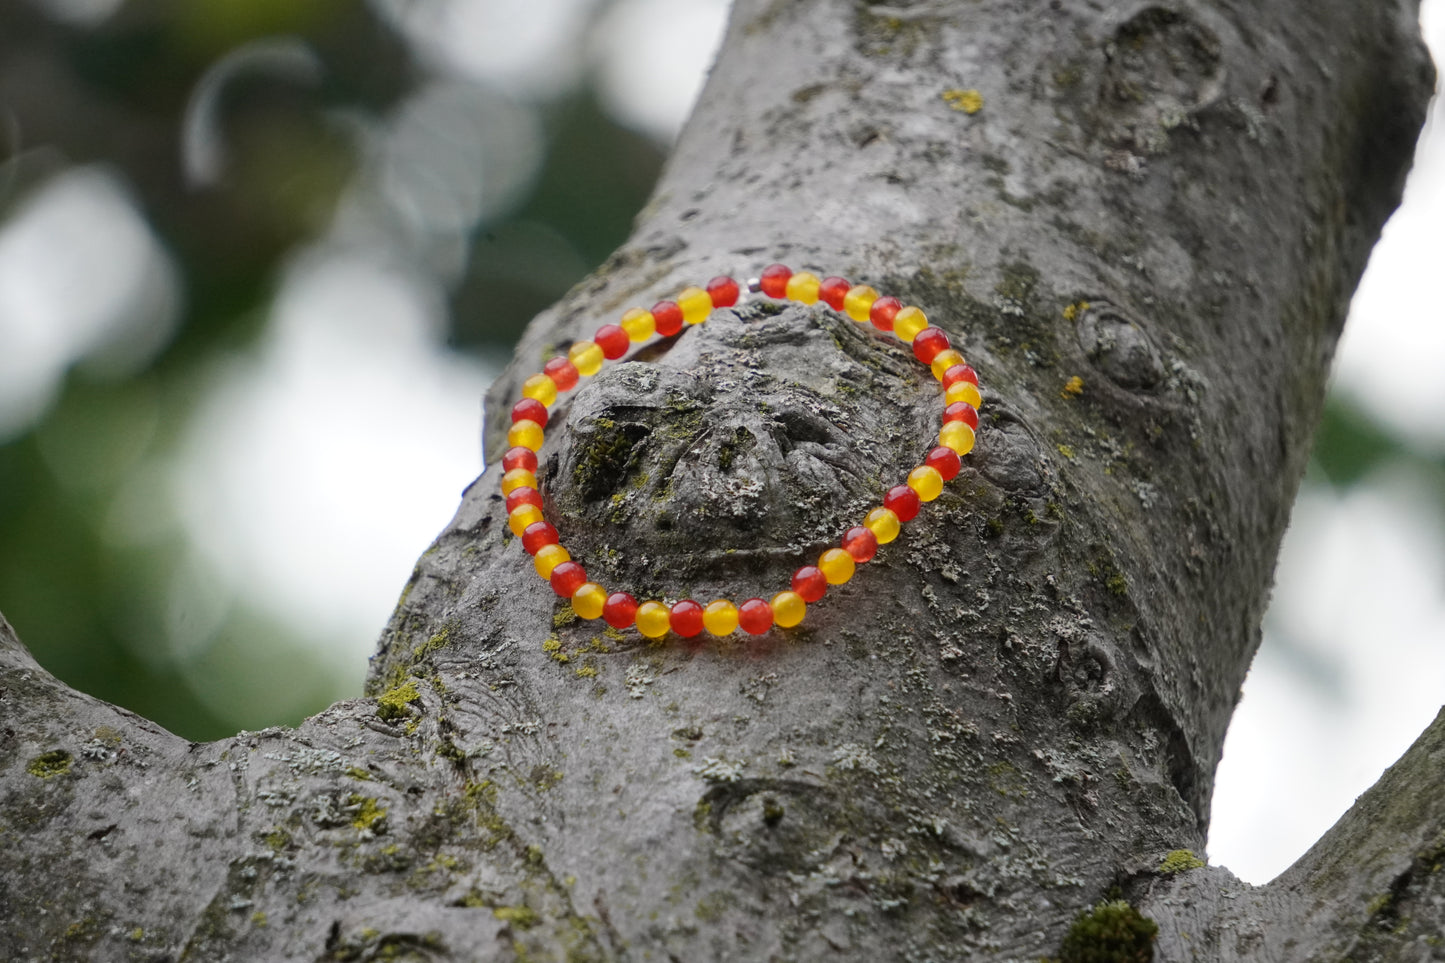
962 411
525 495
832 291
612 340
928 342
668 317
945 461
568 578
519 457
723 290
860 543
686 618
903 502
810 582
882 312
755 616
957 373
774 280
530 409
537 534
562 371
620 610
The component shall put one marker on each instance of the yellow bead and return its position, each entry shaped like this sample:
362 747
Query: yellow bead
945 360
520 517
788 609
518 478
803 287
720 617
588 600
859 301
549 557
958 436
586 357
540 387
926 481
965 391
836 565
696 305
908 322
525 434
883 524
639 324
652 619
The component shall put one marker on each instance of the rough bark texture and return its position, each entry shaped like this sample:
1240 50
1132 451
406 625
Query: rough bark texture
1011 715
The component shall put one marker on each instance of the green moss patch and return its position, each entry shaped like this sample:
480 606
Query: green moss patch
57 762
1112 932
1179 861
392 704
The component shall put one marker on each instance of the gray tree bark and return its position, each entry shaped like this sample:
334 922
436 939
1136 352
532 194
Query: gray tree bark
999 739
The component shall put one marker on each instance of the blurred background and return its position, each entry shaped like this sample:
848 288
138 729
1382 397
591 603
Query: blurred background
259 260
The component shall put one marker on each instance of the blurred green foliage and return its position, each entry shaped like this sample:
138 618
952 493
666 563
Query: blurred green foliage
92 599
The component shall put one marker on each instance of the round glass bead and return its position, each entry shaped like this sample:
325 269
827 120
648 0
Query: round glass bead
774 280
928 343
589 600
519 457
723 291
926 481
883 524
860 543
525 495
561 371
517 478
945 360
959 372
612 340
908 322
541 387
530 409
832 291
883 311
695 305
686 618
902 501
523 515
755 616
803 287
638 324
962 411
965 391
549 557
958 436
567 578
537 536
944 461
836 565
587 357
720 617
652 619
525 434
788 609
620 610
668 317
858 302
810 583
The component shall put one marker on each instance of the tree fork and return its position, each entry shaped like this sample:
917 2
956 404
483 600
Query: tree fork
1142 224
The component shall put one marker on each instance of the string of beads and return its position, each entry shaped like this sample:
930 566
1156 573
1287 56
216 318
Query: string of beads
835 566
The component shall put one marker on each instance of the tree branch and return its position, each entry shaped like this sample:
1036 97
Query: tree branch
1016 705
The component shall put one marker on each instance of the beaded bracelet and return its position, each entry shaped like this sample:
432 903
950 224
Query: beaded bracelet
836 565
